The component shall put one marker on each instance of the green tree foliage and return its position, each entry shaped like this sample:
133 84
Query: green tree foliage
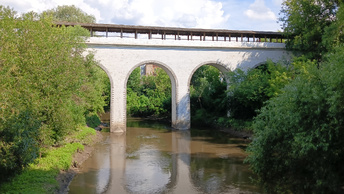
207 96
47 86
18 143
70 13
298 145
150 94
304 23
334 36
248 91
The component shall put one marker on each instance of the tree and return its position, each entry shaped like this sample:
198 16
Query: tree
248 91
298 145
208 96
149 95
304 23
70 13
333 36
47 86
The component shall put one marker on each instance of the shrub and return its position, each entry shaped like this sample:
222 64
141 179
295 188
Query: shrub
18 143
298 145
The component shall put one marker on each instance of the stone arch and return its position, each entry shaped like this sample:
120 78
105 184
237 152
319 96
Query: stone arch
111 85
220 66
259 64
173 79
106 71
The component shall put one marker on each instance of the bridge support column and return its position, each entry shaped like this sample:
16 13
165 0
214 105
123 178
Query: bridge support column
118 120
182 121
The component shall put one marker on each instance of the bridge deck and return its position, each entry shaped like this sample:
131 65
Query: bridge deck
153 32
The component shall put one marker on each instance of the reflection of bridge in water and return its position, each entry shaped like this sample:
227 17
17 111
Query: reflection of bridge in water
180 52
149 161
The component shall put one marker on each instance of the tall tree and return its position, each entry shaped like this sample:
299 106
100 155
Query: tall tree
298 145
47 86
70 13
304 23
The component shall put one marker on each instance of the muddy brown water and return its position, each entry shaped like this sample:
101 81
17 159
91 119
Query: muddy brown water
152 158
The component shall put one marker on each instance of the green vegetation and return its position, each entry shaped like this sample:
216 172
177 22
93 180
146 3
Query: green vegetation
47 87
305 22
294 108
149 95
69 13
249 90
298 145
207 96
40 176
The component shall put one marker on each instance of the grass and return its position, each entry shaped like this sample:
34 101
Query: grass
40 177
82 135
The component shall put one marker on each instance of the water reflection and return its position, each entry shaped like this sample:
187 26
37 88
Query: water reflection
146 160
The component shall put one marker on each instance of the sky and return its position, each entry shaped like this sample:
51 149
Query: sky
259 15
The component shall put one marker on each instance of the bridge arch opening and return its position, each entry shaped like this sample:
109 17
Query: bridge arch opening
262 65
208 84
155 68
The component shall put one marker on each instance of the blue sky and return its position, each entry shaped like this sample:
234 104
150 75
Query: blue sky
260 15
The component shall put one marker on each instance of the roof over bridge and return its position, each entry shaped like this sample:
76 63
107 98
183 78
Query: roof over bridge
178 33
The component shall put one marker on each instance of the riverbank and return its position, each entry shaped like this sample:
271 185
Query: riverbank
40 176
65 177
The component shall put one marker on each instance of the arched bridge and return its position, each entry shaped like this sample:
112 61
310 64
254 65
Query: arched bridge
180 52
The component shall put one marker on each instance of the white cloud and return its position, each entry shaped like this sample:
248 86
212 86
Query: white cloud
179 13
259 11
23 6
174 13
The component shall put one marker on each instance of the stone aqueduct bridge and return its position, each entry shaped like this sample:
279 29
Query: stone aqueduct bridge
180 52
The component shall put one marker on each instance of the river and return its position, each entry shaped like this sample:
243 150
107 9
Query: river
152 158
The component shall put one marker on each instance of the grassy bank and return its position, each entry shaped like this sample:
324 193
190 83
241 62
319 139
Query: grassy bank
40 176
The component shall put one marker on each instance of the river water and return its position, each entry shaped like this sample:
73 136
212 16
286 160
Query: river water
152 158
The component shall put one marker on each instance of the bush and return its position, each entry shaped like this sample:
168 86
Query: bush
298 145
18 143
248 91
47 86
40 176
93 120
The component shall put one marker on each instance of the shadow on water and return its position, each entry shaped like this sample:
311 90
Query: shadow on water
146 123
215 136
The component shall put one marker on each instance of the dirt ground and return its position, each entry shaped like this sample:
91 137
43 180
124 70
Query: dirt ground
65 177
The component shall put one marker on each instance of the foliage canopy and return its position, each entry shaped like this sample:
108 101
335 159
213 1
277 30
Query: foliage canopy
305 21
47 86
149 95
69 13
298 145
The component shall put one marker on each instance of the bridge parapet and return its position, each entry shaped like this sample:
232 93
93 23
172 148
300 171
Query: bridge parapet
174 33
115 41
